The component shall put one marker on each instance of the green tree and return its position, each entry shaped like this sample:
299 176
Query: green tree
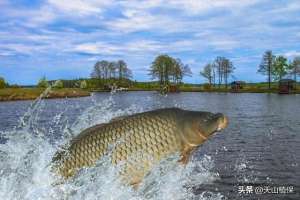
161 69
121 68
294 68
2 83
280 68
185 70
168 70
109 71
266 66
207 73
112 70
123 71
179 70
224 67
214 69
101 70
58 84
97 71
228 69
219 68
43 83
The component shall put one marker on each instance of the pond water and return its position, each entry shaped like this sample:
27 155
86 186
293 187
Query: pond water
259 150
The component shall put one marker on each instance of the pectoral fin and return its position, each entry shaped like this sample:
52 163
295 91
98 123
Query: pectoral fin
185 155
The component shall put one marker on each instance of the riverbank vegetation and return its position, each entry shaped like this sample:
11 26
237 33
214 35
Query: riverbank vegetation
167 75
20 93
275 68
10 94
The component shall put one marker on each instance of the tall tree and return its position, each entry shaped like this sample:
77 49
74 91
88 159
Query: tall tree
97 73
106 70
112 70
280 68
127 73
161 69
179 70
214 67
186 71
228 68
222 68
167 69
121 66
101 70
266 66
219 63
123 70
207 73
294 68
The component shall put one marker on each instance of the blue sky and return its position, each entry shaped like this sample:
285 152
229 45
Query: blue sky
62 39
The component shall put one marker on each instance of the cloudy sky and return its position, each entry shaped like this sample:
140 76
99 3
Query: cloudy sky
62 39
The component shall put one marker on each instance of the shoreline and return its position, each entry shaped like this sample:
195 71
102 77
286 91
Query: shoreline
23 94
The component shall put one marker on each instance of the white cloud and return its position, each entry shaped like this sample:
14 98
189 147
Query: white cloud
144 45
95 48
291 54
6 53
142 20
224 43
138 30
102 48
188 6
44 14
15 49
133 22
80 7
197 7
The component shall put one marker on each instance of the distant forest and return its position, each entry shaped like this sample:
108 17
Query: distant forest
166 71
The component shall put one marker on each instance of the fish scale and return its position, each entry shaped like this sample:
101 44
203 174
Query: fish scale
137 142
144 134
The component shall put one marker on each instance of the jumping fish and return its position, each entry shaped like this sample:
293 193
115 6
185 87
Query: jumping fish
139 141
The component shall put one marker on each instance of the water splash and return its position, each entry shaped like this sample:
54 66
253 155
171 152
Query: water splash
25 172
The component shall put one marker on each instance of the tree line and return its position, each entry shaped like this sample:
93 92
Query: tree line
218 72
278 67
168 71
164 69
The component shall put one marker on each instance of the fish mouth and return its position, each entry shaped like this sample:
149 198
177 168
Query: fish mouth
223 123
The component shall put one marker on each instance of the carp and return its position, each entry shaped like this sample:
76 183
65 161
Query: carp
139 141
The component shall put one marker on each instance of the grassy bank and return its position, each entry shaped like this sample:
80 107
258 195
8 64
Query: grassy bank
10 94
247 88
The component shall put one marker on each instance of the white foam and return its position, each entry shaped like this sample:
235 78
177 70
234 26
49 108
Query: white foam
25 171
